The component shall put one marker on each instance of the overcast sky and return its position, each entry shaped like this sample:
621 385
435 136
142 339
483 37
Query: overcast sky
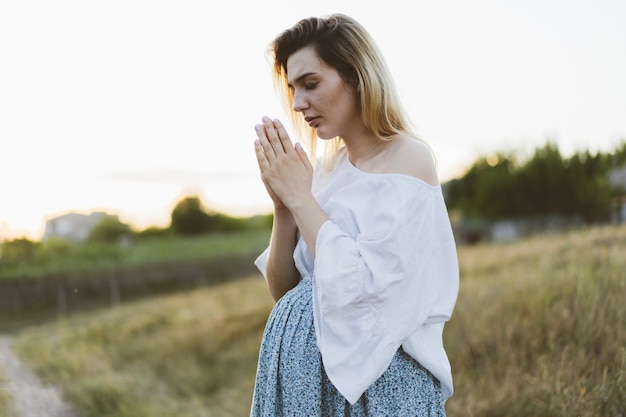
127 106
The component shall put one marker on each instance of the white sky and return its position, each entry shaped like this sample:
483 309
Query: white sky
128 105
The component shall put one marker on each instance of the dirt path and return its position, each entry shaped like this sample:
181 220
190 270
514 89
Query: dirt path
31 397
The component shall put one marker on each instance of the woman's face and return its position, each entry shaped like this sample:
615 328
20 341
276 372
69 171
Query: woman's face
326 101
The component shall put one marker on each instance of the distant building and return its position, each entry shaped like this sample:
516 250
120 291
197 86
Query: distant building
73 226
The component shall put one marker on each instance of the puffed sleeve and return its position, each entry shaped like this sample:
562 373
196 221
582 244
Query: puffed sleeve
382 272
261 261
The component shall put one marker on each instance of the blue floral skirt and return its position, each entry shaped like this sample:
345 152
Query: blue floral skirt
291 380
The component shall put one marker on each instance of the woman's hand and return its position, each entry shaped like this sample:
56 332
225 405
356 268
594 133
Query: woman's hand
285 169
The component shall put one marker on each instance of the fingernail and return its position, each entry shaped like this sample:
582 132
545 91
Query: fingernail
257 143
265 119
276 121
257 127
298 145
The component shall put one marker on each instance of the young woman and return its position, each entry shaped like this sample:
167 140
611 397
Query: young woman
362 260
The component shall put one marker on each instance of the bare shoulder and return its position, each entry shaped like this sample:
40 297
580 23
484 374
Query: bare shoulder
412 157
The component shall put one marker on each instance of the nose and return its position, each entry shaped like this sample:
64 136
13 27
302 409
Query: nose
300 102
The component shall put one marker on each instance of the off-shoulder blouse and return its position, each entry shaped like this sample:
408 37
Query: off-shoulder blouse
385 275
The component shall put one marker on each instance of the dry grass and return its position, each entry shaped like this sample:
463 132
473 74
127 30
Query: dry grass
539 330
540 327
6 403
185 355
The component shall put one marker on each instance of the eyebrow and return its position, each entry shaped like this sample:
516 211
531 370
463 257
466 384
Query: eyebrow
300 78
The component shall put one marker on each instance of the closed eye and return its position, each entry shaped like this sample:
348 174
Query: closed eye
302 80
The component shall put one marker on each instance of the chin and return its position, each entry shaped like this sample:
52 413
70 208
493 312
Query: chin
325 135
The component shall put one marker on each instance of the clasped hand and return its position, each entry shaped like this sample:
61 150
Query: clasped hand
285 169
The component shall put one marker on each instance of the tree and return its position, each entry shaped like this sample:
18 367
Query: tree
190 218
18 250
546 185
487 190
110 230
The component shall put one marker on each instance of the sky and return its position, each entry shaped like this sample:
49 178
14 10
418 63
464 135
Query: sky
128 106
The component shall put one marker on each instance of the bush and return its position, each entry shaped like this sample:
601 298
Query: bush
190 218
110 230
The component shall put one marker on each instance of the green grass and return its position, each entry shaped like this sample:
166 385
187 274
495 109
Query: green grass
538 331
64 258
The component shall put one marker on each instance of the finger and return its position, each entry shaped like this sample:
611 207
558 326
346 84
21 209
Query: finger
263 166
261 155
303 156
264 143
272 135
283 136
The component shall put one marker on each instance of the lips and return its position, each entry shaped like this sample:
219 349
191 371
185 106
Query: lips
312 120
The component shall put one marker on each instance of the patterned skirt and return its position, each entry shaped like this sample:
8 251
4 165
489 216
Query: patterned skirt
291 380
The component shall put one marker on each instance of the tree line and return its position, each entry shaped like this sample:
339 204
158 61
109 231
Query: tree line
545 185
495 187
188 218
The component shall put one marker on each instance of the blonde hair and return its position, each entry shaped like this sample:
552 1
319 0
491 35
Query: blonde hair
343 44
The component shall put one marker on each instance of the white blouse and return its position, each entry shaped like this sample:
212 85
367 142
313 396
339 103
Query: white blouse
385 275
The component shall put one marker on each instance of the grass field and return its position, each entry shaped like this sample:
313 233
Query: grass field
540 327
539 330
69 259
6 403
191 354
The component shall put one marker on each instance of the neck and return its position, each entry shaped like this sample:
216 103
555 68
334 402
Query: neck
363 148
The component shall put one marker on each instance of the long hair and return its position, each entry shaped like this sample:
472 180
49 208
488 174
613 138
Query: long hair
343 44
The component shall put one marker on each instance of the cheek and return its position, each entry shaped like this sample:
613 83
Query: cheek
340 94
345 105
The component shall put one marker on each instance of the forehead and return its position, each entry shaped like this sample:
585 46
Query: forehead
305 61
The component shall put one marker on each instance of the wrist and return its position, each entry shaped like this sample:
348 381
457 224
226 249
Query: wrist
281 210
301 203
283 215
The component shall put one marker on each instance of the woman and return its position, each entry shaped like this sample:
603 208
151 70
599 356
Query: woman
362 260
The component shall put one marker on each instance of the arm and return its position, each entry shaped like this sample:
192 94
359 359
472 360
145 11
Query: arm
281 273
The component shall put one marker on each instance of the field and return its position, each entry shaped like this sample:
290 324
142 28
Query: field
6 404
63 278
539 330
540 327
77 262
